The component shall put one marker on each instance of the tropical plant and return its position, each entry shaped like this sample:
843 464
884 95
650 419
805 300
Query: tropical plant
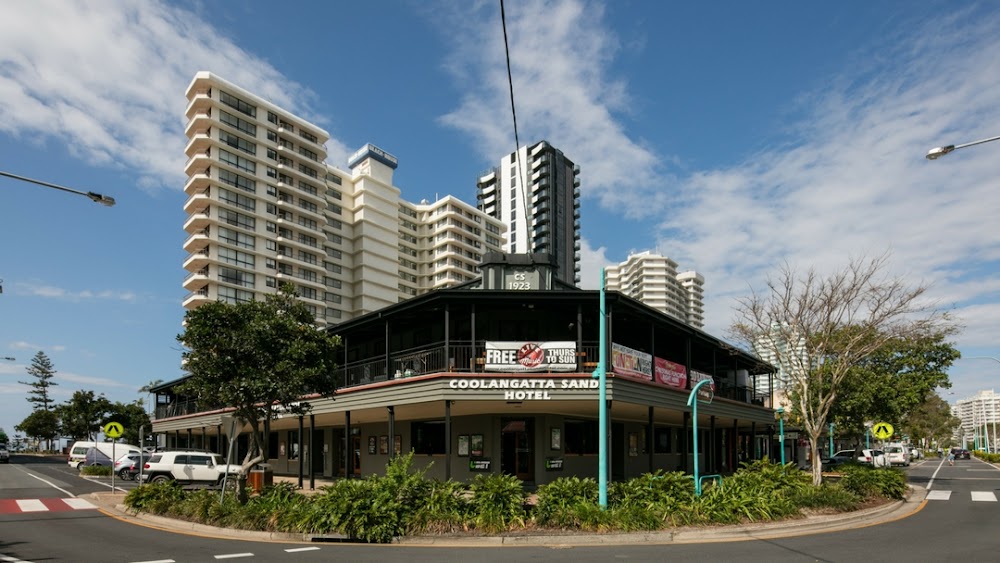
497 502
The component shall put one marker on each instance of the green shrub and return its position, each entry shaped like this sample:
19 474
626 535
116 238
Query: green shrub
155 498
827 496
443 509
96 470
497 502
867 482
566 502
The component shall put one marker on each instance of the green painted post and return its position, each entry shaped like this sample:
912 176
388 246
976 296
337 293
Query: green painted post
693 403
602 421
781 432
831 439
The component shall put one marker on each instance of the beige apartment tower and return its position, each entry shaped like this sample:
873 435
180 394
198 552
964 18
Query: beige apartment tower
654 280
264 209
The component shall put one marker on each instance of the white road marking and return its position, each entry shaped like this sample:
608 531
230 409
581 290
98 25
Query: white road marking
9 559
938 495
78 503
983 496
300 549
31 505
49 483
233 555
157 561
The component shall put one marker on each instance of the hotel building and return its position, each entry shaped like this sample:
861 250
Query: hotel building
654 280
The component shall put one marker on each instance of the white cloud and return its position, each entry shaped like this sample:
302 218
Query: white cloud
591 261
52 292
560 54
106 79
853 181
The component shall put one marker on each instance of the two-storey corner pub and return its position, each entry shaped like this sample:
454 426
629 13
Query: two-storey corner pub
496 375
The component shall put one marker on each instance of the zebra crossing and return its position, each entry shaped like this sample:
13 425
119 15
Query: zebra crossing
976 496
29 505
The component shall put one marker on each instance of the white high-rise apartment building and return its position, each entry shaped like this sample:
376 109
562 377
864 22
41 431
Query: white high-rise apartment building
536 192
654 280
980 416
264 209
784 348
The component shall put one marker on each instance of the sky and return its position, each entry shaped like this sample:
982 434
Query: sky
734 137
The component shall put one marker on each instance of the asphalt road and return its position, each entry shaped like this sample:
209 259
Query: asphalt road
950 526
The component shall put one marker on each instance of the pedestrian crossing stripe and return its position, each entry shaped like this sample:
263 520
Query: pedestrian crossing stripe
977 496
11 506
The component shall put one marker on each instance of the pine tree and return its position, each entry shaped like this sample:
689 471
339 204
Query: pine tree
43 372
41 369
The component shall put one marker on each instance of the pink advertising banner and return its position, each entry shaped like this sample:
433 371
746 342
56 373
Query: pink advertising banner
670 373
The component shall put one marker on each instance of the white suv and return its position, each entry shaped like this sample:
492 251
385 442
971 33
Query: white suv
4 454
189 467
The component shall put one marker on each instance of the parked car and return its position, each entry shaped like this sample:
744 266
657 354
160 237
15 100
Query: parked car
188 467
4 454
897 454
875 458
82 453
127 466
916 453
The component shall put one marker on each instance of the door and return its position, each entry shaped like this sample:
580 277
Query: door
517 455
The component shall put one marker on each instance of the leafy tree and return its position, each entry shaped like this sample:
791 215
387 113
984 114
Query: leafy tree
82 415
818 329
3 436
931 423
131 416
41 424
253 356
893 381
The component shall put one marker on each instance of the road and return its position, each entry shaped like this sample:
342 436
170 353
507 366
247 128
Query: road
957 522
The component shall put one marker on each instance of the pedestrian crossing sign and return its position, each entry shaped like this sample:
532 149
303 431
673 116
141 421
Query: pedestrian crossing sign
113 430
882 430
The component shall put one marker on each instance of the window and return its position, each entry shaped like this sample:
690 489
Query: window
237 161
428 437
237 199
293 444
307 292
237 181
236 257
237 104
236 238
236 277
272 154
661 440
238 142
235 122
237 219
232 295
581 437
272 117
272 136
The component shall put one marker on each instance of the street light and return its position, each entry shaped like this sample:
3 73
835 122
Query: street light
779 413
10 359
938 152
94 196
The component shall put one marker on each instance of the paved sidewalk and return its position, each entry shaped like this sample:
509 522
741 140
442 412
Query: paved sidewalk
111 504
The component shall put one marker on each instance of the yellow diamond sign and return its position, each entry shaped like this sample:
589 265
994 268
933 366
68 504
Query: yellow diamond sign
882 430
113 430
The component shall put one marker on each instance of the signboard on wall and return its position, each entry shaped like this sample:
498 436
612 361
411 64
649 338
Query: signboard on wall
703 393
479 464
631 363
530 356
670 373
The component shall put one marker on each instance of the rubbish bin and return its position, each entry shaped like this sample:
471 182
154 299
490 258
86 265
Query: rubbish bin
260 477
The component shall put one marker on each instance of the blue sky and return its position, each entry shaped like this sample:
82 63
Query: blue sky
731 136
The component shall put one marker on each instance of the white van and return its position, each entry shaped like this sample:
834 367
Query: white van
898 453
78 453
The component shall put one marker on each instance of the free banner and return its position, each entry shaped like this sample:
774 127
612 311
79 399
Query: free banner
530 356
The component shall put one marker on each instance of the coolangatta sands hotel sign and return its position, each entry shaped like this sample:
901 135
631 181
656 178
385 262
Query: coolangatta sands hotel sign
514 357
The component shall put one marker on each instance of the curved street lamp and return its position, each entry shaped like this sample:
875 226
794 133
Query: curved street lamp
94 196
938 152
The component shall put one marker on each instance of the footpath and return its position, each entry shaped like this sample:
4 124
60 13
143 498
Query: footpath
112 504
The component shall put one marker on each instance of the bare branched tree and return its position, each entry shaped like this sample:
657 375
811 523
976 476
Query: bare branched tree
814 329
